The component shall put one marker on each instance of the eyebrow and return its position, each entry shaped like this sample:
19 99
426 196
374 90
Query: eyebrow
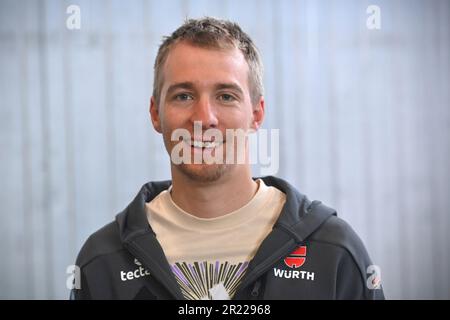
190 86
232 86
180 85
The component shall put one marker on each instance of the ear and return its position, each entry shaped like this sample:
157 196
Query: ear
154 115
258 114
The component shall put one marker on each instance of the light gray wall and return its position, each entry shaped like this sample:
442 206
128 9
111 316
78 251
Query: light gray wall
364 121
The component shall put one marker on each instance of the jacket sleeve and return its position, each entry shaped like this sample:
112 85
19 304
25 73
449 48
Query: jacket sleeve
352 281
82 292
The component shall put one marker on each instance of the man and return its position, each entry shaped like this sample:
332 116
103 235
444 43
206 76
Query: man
213 231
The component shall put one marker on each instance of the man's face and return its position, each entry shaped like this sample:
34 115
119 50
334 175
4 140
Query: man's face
210 86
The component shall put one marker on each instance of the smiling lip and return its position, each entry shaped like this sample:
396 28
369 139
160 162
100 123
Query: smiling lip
206 144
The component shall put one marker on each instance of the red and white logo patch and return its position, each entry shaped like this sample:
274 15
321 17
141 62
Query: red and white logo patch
297 258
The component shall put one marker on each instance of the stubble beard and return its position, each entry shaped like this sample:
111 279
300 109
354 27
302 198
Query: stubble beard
203 172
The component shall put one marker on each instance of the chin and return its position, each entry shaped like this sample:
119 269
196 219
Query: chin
203 172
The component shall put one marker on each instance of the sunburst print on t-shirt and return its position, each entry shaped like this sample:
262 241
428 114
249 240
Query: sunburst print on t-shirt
209 281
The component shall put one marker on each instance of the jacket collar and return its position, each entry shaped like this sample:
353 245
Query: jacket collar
133 220
138 237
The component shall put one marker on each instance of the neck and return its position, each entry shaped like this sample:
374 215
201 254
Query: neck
213 199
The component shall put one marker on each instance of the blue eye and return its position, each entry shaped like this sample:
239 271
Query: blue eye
183 97
226 97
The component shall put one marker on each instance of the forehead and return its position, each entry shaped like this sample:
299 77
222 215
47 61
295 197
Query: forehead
206 66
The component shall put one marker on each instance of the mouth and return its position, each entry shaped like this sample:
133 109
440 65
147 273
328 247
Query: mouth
200 144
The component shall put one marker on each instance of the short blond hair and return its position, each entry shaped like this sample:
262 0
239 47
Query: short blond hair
212 33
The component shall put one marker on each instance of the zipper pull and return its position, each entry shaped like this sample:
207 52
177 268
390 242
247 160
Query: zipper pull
255 291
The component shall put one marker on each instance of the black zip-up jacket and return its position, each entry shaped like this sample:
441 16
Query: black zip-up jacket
309 254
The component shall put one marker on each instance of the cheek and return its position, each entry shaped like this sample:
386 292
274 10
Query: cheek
236 120
168 119
171 121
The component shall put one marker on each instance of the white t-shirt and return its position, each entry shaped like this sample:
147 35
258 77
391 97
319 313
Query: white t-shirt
210 256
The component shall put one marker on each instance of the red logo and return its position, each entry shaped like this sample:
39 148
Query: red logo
297 258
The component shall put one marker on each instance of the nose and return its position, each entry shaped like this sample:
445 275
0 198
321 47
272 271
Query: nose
205 112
